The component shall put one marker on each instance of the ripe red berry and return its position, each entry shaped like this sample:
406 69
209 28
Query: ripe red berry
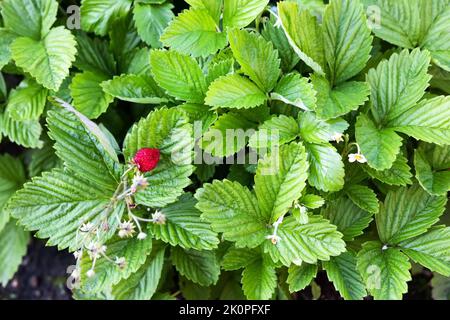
147 159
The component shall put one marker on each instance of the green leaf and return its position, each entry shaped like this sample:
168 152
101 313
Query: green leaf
232 210
43 159
349 219
27 102
98 15
160 15
441 287
429 121
431 163
142 284
199 112
384 271
259 280
194 32
13 247
315 130
408 212
280 178
363 197
398 84
312 201
25 133
340 100
184 227
200 267
179 74
135 88
275 131
304 34
346 278
238 258
316 240
295 90
234 91
380 146
301 276
398 175
431 250
47 60
257 58
83 147
29 18
6 38
57 203
93 55
88 96
347 39
219 69
214 7
240 13
326 170
107 273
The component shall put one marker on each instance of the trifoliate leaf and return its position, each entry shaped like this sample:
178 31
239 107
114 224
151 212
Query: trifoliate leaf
47 60
384 271
379 146
233 210
135 88
88 96
342 271
142 284
347 39
280 179
257 58
234 91
326 170
27 102
275 131
240 13
99 15
13 246
408 212
340 100
297 91
184 227
179 74
432 163
200 267
349 219
431 250
32 19
316 240
259 279
57 203
194 32
151 20
363 197
398 175
301 276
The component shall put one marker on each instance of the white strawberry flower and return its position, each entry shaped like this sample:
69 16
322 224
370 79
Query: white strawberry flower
158 217
338 137
126 229
353 157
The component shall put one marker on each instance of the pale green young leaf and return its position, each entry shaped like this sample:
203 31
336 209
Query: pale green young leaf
280 178
234 91
200 267
219 69
179 74
257 58
240 13
27 101
326 169
259 279
194 32
13 247
184 227
99 15
135 88
384 271
342 271
159 14
275 131
408 212
295 90
214 7
47 60
233 210
6 38
301 276
312 201
347 39
363 197
88 96
398 175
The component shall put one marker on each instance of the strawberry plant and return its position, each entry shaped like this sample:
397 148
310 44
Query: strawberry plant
227 149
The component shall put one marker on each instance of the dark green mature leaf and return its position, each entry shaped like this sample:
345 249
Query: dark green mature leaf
238 258
259 279
93 55
160 15
301 276
408 212
363 197
398 175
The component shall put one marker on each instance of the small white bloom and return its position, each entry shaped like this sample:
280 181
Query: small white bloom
159 217
120 262
95 249
142 236
338 137
77 254
352 157
385 247
274 238
126 229
90 273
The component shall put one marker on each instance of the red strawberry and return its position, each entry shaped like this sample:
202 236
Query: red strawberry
147 159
